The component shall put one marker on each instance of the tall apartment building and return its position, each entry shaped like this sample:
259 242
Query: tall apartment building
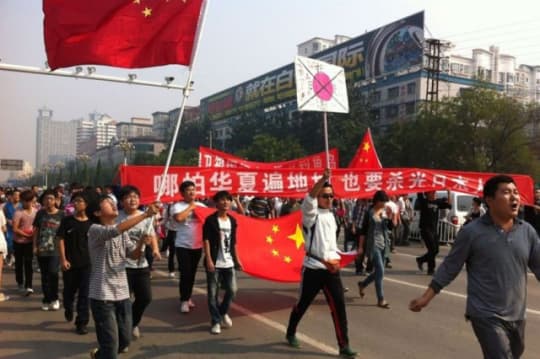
55 140
95 132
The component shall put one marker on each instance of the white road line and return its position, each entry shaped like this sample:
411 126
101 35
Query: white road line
269 322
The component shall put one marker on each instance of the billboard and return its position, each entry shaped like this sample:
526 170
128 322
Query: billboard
383 51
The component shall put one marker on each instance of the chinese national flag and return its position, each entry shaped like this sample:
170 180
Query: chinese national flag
366 155
121 33
271 249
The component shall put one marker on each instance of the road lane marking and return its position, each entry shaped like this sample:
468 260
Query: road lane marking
444 291
267 321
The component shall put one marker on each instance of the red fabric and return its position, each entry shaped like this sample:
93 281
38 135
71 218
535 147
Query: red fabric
347 182
271 249
209 157
366 155
121 33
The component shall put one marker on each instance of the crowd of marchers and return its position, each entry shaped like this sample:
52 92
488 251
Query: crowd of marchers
104 243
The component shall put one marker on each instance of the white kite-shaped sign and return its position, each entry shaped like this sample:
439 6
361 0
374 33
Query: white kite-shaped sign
320 86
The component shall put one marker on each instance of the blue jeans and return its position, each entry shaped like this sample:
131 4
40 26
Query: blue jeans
113 326
48 266
226 277
378 274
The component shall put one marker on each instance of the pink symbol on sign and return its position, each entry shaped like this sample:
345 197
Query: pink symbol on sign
322 85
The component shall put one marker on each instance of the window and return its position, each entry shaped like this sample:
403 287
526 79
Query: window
392 111
411 88
410 108
376 96
393 92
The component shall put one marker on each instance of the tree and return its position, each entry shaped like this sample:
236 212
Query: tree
479 130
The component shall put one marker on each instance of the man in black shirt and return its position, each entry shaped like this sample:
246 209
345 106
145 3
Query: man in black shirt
429 208
75 262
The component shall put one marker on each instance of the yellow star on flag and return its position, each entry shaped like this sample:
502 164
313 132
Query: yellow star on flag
366 146
147 12
269 240
287 259
275 228
275 252
137 2
297 237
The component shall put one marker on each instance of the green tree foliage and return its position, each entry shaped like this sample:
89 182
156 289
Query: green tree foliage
480 130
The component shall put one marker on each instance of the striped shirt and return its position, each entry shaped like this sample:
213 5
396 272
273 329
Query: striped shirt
108 251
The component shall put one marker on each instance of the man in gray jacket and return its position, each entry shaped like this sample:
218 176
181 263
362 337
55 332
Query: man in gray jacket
497 249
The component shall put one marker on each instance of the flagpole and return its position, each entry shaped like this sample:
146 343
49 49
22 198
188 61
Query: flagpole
327 151
185 96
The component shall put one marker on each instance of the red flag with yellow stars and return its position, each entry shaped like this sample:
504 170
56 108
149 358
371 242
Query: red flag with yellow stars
121 33
366 155
271 249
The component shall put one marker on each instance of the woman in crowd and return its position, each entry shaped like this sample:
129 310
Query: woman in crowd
375 234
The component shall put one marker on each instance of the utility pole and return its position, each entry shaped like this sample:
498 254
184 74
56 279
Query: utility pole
433 69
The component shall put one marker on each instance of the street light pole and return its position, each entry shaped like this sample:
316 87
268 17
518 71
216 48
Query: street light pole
126 147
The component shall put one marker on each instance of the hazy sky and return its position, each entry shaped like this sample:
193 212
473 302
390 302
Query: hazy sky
241 39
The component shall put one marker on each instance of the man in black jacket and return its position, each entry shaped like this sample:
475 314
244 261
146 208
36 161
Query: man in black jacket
429 208
219 235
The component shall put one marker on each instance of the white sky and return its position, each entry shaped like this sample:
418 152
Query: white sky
242 39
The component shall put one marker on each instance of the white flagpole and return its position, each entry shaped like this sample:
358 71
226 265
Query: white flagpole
325 122
186 92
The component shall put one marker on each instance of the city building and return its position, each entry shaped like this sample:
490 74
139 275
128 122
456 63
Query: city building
136 127
95 132
55 140
318 44
385 68
164 123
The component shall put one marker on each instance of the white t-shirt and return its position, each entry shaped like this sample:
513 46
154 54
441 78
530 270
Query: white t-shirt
135 233
188 232
3 243
224 257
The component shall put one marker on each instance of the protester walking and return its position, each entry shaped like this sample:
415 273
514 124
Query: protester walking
46 225
188 243
219 236
75 262
321 265
138 270
375 233
497 248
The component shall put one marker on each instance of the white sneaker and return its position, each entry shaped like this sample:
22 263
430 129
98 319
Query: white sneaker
184 307
191 303
3 297
136 333
55 305
216 329
226 322
29 291
45 307
171 274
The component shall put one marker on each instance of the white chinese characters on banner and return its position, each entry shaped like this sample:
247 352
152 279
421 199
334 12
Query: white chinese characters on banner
347 183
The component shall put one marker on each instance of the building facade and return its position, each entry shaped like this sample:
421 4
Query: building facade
385 69
55 140
164 123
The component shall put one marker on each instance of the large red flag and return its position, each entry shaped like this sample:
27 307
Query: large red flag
366 155
271 249
121 33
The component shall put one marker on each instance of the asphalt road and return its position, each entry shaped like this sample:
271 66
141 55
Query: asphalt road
260 314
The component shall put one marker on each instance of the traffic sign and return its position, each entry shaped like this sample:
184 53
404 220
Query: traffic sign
11 165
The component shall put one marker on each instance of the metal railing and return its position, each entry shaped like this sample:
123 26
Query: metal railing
446 231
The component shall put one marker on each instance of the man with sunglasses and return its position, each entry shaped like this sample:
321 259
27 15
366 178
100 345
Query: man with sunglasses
321 264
